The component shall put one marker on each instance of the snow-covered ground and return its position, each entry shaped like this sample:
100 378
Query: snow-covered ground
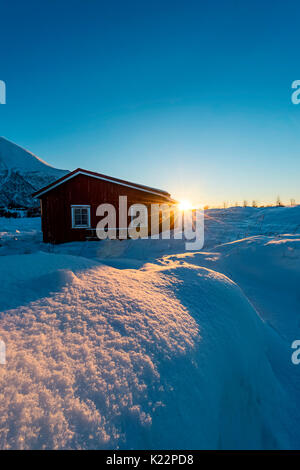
141 344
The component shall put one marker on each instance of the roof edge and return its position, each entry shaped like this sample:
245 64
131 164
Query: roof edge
72 174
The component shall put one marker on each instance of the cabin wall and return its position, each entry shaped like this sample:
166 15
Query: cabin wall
82 189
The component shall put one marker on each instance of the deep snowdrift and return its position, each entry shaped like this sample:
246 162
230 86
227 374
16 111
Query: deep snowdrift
162 357
174 349
267 269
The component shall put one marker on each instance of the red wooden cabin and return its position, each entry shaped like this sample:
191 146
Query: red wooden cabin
69 204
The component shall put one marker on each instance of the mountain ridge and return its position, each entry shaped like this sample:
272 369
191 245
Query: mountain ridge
21 174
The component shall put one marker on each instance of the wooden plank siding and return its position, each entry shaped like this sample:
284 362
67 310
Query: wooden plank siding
82 190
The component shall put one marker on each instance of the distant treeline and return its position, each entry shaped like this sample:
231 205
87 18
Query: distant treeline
17 212
254 203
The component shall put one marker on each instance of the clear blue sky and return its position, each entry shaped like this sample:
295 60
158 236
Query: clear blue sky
190 96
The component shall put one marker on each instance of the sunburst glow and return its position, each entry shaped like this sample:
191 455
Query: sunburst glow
184 205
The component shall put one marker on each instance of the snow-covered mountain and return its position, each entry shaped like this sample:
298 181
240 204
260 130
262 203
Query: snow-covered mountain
22 173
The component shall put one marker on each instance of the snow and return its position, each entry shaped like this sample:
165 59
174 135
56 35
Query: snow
14 157
141 344
22 173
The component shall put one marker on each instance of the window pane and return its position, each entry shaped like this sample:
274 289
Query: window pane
77 216
84 217
81 216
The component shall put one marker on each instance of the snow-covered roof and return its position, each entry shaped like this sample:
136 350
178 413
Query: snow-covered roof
80 171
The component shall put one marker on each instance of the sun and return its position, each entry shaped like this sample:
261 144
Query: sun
184 205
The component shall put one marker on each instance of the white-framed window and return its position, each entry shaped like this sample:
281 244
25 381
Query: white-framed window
81 216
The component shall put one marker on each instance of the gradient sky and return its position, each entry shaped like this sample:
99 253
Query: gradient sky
190 96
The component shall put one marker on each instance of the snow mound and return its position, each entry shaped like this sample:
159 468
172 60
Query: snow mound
268 271
235 223
33 276
168 356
